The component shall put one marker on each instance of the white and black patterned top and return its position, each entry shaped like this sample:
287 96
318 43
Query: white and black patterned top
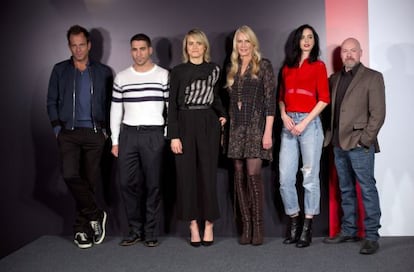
193 85
201 91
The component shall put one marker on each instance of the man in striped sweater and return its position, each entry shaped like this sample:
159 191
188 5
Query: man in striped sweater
137 119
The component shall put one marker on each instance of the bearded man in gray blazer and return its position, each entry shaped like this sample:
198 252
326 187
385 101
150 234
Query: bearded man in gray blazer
357 114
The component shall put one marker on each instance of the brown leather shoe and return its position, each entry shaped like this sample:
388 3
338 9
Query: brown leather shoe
341 238
151 243
131 239
369 247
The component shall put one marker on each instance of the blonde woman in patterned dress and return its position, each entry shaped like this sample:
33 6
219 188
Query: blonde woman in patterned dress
251 85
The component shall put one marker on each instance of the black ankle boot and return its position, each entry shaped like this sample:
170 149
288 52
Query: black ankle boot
293 234
306 236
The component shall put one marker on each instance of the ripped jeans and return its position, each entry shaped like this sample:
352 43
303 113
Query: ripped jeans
309 146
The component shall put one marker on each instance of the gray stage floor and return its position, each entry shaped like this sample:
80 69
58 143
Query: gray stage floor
54 253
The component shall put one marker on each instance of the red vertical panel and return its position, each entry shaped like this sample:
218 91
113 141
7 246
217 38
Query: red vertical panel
344 19
335 211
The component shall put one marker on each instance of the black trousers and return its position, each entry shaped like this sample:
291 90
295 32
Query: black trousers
81 151
140 160
197 166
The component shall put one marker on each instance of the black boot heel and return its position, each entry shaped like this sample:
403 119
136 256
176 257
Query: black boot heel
306 236
294 231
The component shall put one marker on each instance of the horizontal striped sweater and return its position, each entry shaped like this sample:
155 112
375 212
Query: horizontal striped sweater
138 98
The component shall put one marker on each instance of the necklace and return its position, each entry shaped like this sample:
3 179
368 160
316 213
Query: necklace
240 86
239 92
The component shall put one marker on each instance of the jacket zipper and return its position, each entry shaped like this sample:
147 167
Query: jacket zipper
92 100
74 99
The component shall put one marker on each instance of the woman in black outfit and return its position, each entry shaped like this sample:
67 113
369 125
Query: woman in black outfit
195 114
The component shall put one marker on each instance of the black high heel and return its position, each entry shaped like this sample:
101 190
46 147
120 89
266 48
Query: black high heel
210 226
198 243
195 244
207 243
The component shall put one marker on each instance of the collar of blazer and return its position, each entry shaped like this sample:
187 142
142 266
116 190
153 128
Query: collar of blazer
357 77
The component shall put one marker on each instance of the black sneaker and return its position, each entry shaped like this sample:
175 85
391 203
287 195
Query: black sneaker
82 240
98 228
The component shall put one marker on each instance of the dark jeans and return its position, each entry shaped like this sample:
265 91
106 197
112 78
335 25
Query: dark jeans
358 165
140 160
81 152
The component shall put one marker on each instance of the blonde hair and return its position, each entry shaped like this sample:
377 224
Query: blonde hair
234 58
199 36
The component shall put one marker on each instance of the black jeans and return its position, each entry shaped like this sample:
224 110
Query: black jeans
140 161
81 151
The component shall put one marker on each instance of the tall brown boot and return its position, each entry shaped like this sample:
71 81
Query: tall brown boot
244 206
256 196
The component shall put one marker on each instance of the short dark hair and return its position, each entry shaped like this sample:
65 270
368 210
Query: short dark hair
76 30
141 37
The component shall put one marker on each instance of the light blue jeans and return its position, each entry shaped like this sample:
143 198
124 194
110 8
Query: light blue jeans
309 146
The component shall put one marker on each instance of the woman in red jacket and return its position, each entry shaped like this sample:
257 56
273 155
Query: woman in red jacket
304 93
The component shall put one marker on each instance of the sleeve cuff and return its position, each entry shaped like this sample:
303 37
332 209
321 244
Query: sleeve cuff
57 130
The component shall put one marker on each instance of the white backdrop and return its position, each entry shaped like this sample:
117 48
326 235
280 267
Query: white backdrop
391 46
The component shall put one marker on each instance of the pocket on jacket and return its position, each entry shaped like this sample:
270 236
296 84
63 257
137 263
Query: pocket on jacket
360 126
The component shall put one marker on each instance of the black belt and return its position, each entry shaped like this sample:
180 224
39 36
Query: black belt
81 128
144 128
195 107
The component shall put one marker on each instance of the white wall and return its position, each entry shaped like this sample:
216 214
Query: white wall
391 46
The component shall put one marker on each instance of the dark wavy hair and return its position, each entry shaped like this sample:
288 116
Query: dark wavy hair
292 47
76 30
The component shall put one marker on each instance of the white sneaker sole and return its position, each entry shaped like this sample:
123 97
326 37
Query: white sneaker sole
83 246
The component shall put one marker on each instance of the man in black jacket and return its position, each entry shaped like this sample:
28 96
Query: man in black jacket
76 105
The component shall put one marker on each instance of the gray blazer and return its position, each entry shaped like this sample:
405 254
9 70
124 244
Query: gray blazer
362 109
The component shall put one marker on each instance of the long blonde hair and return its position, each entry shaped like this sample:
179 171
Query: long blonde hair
234 58
200 36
